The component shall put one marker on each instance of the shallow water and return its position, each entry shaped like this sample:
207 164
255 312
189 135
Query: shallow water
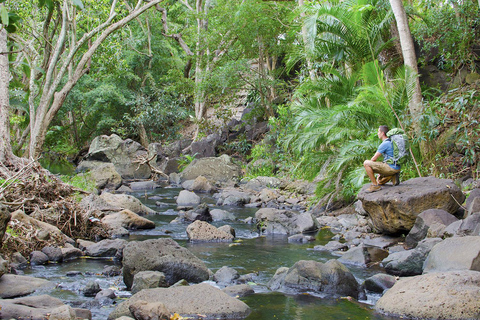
250 253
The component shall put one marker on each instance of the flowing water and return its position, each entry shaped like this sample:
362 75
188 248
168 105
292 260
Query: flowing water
250 253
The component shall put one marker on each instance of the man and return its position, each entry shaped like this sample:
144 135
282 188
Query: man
387 171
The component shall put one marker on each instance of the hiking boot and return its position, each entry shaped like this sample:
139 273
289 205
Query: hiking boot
396 179
373 188
382 180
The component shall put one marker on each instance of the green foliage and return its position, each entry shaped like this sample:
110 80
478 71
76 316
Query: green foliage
185 160
82 181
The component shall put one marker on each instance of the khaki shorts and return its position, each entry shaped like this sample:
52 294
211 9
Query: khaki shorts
381 167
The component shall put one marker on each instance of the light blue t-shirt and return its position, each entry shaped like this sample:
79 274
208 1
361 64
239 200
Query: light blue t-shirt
386 149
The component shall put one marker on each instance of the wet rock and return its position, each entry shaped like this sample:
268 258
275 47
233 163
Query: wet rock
424 221
73 273
106 248
395 209
221 215
125 201
54 254
300 238
106 293
331 278
111 271
419 297
228 229
284 221
458 253
91 289
12 286
410 262
188 301
226 275
203 231
148 280
164 255
128 220
38 258
239 291
69 253
187 198
379 282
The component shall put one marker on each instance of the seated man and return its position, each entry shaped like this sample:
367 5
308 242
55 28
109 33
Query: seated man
386 171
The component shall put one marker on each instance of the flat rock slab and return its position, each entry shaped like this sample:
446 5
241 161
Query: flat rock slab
189 301
440 295
458 253
394 209
12 286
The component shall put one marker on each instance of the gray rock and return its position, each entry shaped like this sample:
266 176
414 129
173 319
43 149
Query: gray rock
148 280
12 286
239 291
187 198
32 307
379 282
332 246
189 301
410 262
3 266
233 197
206 146
201 184
284 222
106 293
125 201
470 226
331 278
111 271
363 255
69 253
128 220
203 231
228 229
300 238
220 169
424 221
143 310
220 215
458 253
54 254
143 185
259 183
164 255
91 289
439 295
475 193
106 248
226 275
395 209
4 219
105 175
18 261
38 258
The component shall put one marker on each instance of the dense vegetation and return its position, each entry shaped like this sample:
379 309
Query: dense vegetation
324 75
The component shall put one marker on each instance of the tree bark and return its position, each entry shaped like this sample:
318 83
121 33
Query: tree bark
410 60
5 146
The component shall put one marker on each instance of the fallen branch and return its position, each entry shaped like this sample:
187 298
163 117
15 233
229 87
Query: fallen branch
145 160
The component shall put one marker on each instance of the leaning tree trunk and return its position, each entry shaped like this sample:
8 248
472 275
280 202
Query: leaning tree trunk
410 60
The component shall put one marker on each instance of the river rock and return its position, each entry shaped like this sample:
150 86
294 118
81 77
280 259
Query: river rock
226 275
220 169
189 301
12 286
54 254
439 295
233 197
395 209
96 206
201 212
458 253
363 255
69 253
143 310
106 293
205 147
143 185
38 258
125 201
410 262
122 153
127 219
4 219
105 176
34 308
106 248
259 183
148 280
164 255
424 221
470 226
187 198
3 266
331 279
17 261
54 233
332 246
379 282
91 289
239 290
220 215
284 221
228 229
203 231
200 184
472 205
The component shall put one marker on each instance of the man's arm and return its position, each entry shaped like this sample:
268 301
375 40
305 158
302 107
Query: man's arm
375 156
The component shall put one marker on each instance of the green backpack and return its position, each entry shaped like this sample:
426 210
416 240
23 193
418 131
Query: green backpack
400 145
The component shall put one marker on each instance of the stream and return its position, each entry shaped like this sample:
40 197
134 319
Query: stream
249 253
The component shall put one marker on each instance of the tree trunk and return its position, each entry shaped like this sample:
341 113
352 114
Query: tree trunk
143 135
5 146
410 60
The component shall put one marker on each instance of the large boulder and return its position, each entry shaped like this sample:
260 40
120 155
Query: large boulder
127 219
442 295
189 302
205 232
285 222
220 169
164 255
410 262
4 219
331 278
125 201
425 220
458 253
12 285
106 248
233 197
106 177
36 308
188 198
122 153
206 146
395 209
148 280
